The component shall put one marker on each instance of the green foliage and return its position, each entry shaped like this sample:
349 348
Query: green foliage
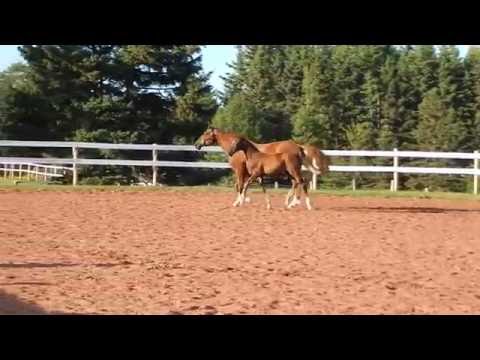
438 128
360 136
241 116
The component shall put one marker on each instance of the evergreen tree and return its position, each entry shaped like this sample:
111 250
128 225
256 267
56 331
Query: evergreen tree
472 63
425 63
438 129
453 90
139 90
313 122
242 117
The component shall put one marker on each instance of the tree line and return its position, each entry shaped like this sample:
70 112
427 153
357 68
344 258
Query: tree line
358 97
336 97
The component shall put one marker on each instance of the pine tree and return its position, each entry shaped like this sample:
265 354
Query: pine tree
453 90
347 87
472 63
313 122
397 109
425 63
297 57
438 129
131 89
243 117
234 81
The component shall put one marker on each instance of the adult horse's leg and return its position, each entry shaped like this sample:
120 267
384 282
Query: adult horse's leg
267 198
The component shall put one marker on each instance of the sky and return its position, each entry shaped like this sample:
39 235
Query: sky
215 59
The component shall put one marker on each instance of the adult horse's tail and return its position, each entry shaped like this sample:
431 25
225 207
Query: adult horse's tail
315 160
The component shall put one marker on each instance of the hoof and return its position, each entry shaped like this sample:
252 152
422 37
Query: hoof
247 199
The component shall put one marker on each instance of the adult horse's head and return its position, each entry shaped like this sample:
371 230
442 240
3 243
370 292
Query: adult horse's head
316 161
209 137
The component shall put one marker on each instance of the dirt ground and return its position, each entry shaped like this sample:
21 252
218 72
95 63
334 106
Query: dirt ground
190 252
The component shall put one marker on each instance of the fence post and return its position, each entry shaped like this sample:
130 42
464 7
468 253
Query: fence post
36 173
395 172
154 168
276 184
4 171
354 178
476 166
28 173
45 170
75 170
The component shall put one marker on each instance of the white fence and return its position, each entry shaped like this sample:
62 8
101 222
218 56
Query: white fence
16 170
396 155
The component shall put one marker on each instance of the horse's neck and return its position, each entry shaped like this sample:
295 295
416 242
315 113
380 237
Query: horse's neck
224 141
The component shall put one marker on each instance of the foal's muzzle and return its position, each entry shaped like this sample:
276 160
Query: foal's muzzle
198 146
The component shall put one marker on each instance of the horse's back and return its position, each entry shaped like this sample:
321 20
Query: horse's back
278 147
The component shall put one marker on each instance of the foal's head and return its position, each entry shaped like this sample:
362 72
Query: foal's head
239 144
209 137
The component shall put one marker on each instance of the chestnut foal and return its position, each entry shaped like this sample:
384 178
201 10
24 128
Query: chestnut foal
260 165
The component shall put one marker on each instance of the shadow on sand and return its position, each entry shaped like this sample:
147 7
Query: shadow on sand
414 210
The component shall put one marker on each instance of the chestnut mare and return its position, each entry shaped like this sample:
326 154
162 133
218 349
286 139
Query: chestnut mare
314 159
260 164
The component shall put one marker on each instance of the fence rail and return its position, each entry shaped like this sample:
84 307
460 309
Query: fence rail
10 168
396 155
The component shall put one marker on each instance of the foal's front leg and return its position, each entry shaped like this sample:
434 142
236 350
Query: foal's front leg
238 189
